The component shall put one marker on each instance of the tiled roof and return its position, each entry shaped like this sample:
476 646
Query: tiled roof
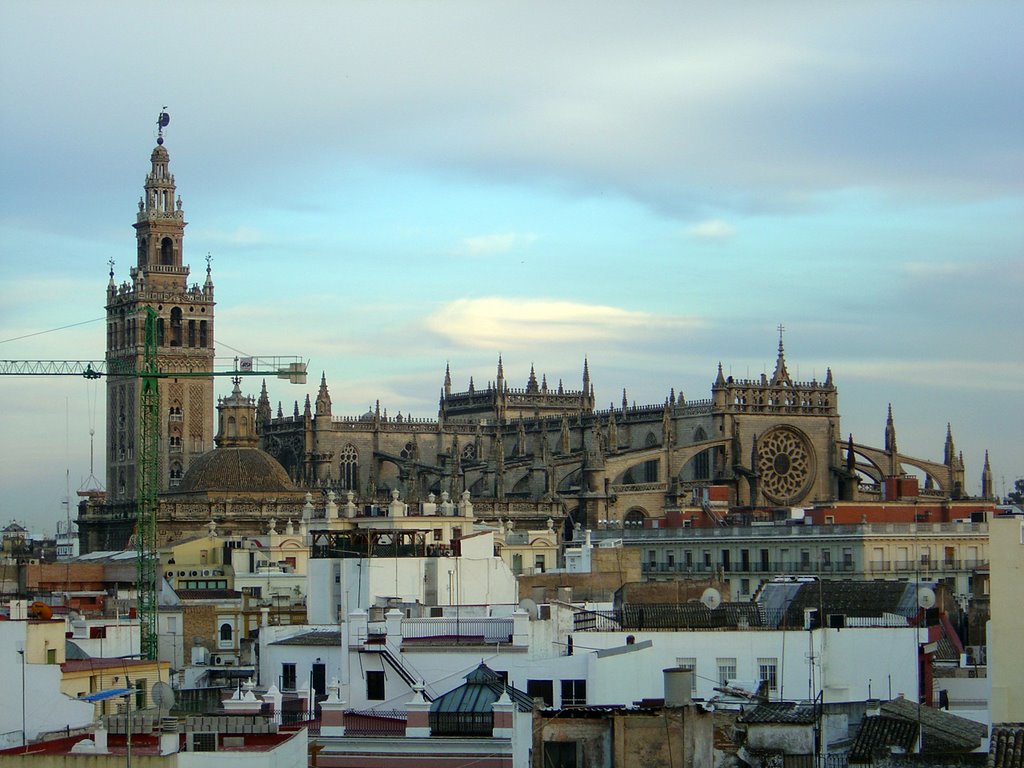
779 712
331 638
245 470
208 594
78 665
851 598
940 730
1006 750
879 734
694 615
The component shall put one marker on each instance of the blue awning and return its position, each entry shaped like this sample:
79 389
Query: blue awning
111 693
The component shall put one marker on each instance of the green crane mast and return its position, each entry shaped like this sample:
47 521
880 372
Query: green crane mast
147 467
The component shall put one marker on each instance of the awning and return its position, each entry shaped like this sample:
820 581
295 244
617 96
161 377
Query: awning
111 693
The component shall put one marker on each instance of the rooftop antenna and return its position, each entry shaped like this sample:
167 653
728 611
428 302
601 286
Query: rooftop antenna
161 123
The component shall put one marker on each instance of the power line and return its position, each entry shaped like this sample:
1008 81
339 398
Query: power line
51 330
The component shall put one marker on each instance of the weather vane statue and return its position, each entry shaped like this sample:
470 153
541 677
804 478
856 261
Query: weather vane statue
161 123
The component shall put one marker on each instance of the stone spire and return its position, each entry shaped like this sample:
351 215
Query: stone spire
986 479
500 382
447 380
531 383
323 398
781 375
719 379
949 453
890 433
263 413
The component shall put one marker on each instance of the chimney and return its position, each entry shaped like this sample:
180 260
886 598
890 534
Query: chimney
678 686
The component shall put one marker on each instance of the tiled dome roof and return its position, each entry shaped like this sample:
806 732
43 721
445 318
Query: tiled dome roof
245 470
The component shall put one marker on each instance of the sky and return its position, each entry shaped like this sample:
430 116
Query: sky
387 188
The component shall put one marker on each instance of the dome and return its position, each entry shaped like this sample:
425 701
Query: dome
241 470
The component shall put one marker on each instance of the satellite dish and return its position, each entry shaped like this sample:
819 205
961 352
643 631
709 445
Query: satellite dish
163 696
926 597
711 597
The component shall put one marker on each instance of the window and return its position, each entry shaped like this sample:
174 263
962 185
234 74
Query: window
51 655
826 558
691 662
538 564
375 685
287 677
140 694
769 671
226 635
517 563
348 469
726 670
574 693
541 689
744 586
560 754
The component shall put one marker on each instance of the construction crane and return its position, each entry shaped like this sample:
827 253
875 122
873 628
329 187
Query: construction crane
147 467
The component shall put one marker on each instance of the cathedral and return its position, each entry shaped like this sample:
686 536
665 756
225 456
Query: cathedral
524 454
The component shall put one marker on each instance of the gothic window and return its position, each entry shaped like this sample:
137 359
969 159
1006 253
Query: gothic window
159 331
409 451
142 251
348 470
650 468
786 465
231 427
702 466
699 435
176 327
191 333
469 452
166 252
176 474
202 333
174 443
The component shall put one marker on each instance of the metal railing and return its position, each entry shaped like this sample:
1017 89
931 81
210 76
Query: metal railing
375 722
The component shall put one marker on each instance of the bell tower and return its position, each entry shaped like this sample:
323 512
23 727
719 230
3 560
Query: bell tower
184 340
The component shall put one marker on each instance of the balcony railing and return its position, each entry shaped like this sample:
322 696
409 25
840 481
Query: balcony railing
375 722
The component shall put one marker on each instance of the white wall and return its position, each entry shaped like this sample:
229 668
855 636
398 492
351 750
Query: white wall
290 754
46 708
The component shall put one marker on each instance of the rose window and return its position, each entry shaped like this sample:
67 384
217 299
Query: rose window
785 465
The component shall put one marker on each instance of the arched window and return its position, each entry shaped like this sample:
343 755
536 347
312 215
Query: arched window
348 468
142 251
232 427
409 452
176 327
469 452
166 252
226 634
202 333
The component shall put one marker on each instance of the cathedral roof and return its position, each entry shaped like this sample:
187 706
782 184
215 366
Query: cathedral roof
244 470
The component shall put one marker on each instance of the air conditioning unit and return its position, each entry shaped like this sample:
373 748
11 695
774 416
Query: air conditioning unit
223 660
207 572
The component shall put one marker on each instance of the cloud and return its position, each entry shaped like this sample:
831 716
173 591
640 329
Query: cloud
508 323
490 245
712 229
